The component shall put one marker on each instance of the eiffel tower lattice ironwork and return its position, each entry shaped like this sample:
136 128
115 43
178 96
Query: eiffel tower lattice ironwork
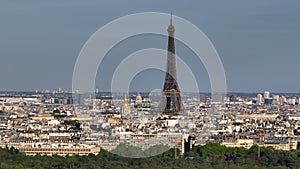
171 100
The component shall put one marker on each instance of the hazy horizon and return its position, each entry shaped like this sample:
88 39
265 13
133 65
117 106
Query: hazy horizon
257 41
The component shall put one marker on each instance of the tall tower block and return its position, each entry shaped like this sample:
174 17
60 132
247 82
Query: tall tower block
171 99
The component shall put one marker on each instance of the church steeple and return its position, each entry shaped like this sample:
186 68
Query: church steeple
125 107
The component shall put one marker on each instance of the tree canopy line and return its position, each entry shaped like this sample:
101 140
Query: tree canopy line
208 156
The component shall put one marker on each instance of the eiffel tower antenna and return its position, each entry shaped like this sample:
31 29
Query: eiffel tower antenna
171 19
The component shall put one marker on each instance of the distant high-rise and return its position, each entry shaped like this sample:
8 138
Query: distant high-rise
171 99
266 95
283 99
217 97
233 98
203 98
259 99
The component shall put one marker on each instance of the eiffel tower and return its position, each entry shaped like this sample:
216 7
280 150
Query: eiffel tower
171 100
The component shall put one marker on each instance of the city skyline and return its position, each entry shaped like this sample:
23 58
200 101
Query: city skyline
257 42
160 84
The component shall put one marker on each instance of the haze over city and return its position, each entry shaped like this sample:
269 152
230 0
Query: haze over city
257 41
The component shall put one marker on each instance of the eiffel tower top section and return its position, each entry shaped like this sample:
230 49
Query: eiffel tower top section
171 77
171 99
171 28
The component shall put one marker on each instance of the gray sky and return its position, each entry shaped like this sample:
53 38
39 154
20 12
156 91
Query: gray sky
258 41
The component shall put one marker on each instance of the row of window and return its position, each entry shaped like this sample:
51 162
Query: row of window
37 150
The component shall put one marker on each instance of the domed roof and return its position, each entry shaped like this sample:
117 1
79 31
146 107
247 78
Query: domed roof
138 97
